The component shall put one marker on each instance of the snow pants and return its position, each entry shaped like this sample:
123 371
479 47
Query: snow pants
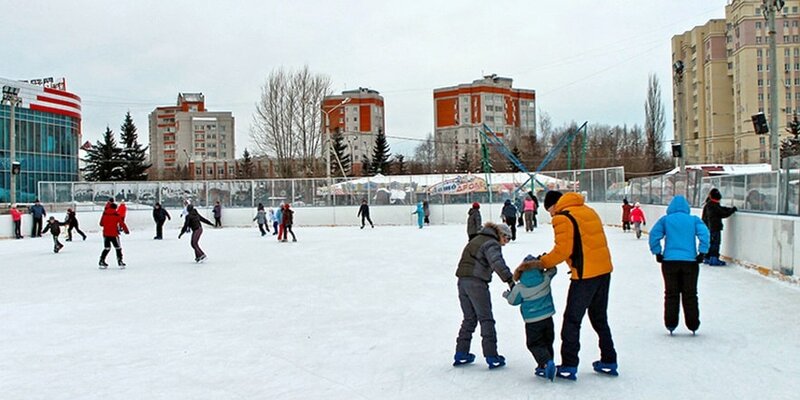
715 242
539 337
528 221
680 285
476 306
587 294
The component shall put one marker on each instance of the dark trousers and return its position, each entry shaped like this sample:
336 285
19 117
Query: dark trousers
109 241
18 229
287 231
476 306
626 226
37 227
217 222
56 243
680 284
159 229
591 294
74 226
196 242
366 217
539 337
512 223
274 228
535 223
716 240
261 228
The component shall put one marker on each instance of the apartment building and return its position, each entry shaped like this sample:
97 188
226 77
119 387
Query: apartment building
726 81
189 142
359 115
460 112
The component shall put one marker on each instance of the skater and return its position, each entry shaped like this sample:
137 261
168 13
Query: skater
16 218
420 214
427 211
581 242
713 213
626 215
72 223
287 221
680 261
112 223
160 215
363 211
480 257
474 221
528 208
55 229
533 295
122 210
637 217
261 219
509 215
192 222
535 208
186 204
218 215
518 203
279 221
38 212
273 220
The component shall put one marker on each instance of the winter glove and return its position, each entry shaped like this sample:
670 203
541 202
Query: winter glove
700 258
659 258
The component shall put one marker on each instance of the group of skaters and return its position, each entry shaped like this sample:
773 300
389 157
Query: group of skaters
580 241
281 218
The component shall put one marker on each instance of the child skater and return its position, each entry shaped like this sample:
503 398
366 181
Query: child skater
278 224
420 214
112 223
55 228
72 223
637 217
261 219
533 295
272 219
192 223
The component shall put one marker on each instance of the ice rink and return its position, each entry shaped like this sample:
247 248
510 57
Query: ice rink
346 313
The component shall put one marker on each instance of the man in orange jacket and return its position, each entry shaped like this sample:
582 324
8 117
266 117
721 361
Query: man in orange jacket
580 241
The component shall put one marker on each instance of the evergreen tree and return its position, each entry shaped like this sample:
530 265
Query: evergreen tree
340 152
791 145
380 155
245 168
400 165
133 157
464 163
103 160
511 166
366 166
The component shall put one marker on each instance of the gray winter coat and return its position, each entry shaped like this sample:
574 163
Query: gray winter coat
474 221
482 255
261 217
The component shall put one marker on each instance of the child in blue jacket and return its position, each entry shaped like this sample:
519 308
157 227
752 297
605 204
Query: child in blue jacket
420 215
532 294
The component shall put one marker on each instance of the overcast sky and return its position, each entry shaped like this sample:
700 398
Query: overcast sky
588 60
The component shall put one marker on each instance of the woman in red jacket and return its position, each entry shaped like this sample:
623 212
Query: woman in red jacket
112 223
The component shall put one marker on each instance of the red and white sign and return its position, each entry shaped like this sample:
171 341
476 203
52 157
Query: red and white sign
46 99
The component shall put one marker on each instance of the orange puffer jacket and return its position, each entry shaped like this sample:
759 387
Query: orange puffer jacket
596 256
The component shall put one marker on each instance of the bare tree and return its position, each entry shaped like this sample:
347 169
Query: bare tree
425 154
654 125
287 121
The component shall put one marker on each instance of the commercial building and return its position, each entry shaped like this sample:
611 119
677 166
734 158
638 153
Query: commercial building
460 112
359 115
189 142
48 134
726 81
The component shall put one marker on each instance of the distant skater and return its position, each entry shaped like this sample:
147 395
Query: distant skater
16 218
273 220
287 221
713 214
426 211
217 215
626 215
474 221
420 211
193 222
38 212
637 217
55 229
509 214
160 215
261 219
363 211
72 223
112 223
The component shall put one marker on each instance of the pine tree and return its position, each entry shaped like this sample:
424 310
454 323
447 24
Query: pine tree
134 157
245 168
366 166
511 166
103 160
340 152
380 155
400 165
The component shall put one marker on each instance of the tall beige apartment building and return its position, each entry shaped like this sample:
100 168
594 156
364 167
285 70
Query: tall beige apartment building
189 137
726 81
358 115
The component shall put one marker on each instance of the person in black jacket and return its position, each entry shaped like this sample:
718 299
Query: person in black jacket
509 214
363 211
713 213
72 223
193 220
55 228
160 215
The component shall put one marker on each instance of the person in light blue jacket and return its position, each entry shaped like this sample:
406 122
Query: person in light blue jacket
533 295
680 261
420 214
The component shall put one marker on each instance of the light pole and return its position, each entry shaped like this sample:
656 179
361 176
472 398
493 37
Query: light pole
11 95
678 67
770 8
328 145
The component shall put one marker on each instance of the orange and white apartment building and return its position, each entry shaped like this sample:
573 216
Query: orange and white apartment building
460 112
189 136
359 115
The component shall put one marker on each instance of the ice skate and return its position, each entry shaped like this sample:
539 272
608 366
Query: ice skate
103 264
495 361
462 358
570 373
605 368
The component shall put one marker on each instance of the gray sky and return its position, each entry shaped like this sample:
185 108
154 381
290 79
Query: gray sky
586 59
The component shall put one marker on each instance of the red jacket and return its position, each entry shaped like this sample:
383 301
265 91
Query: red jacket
122 210
112 222
626 212
15 215
637 215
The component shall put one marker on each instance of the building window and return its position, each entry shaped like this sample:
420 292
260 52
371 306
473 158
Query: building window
758 39
759 52
758 24
785 38
760 82
759 67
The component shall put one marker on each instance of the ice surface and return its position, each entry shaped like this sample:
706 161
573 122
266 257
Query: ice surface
357 314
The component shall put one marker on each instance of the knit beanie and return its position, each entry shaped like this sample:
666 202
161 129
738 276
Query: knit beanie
551 198
476 205
714 194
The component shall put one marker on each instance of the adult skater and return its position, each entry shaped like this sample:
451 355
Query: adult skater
474 221
528 207
626 215
287 221
192 222
420 211
217 215
261 219
518 203
680 261
426 210
480 257
72 223
112 223
38 212
16 218
363 211
509 214
160 216
55 229
581 242
713 213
